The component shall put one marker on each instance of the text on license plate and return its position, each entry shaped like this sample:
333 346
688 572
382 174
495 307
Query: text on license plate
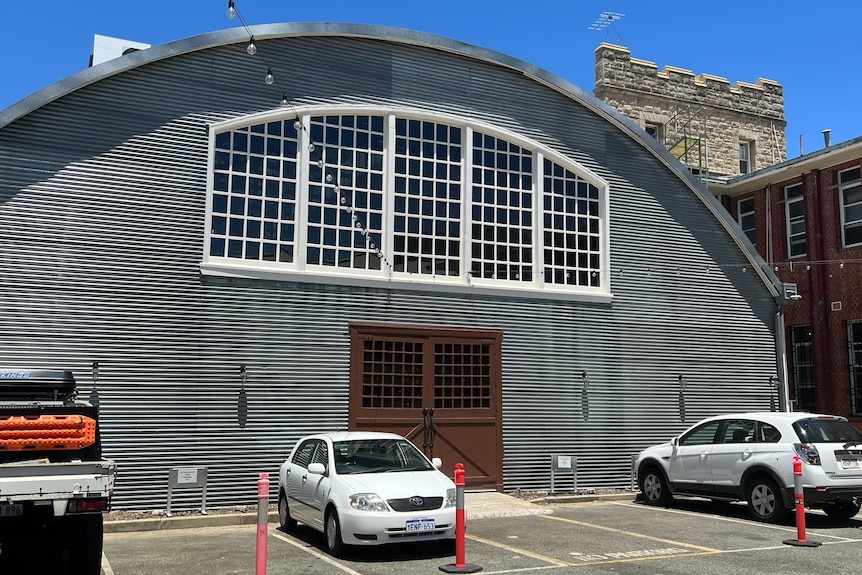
850 464
13 510
420 525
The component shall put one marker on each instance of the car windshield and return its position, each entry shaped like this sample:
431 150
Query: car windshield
823 430
378 456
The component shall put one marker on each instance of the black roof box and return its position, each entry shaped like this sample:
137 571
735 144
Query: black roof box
36 384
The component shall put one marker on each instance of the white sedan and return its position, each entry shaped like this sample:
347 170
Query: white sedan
365 488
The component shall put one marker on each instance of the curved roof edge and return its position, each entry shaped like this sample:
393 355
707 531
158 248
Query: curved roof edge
398 35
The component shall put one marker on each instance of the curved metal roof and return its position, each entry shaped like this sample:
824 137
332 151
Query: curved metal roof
399 36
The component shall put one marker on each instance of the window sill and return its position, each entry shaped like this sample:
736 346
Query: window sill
495 288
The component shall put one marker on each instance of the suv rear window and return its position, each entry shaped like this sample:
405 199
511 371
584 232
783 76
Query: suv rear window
816 430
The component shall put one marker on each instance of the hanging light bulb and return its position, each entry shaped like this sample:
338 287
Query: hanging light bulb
269 78
284 99
251 48
231 9
297 125
311 147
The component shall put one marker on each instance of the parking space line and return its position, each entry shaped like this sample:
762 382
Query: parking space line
704 550
561 563
315 553
732 520
539 556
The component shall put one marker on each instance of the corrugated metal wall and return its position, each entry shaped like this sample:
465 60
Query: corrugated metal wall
102 204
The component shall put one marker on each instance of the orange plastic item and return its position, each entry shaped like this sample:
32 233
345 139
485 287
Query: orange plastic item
46 432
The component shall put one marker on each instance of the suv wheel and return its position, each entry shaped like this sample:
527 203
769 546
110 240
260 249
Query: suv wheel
764 500
842 510
654 487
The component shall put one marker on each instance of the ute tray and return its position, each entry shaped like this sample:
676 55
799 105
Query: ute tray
35 385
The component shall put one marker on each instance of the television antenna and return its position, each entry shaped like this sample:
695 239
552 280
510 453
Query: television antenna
604 22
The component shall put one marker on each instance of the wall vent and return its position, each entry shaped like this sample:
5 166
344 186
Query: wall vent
836 306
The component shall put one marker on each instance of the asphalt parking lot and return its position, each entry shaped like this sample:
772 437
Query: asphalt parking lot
695 537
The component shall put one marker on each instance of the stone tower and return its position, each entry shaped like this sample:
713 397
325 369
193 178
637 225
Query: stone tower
716 129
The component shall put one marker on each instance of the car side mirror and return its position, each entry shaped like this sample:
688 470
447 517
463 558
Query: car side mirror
317 468
674 441
437 462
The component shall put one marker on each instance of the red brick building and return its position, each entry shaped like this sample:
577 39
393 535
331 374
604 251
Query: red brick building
804 216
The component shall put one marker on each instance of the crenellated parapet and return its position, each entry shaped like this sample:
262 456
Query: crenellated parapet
702 109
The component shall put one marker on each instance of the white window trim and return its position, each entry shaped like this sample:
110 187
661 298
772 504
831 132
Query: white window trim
298 271
841 190
740 214
787 220
748 159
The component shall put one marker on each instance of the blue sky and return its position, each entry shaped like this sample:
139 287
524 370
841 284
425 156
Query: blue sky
811 48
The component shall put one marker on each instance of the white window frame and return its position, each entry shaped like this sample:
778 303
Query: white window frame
299 270
794 198
749 231
849 182
745 157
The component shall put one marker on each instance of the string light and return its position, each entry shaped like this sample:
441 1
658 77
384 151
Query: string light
251 48
231 10
269 78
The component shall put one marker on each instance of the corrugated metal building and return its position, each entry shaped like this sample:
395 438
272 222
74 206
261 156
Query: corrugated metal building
428 237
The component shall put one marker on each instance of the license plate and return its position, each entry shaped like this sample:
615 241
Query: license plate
418 525
14 510
851 464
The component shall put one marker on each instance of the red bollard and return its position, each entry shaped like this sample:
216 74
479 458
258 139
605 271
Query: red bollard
799 495
460 565
262 522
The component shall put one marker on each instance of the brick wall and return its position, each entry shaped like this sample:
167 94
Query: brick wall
827 274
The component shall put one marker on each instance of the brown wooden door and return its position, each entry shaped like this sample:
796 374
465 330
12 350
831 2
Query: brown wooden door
440 388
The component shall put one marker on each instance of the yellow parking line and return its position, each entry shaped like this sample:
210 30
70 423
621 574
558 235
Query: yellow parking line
539 556
706 550
562 563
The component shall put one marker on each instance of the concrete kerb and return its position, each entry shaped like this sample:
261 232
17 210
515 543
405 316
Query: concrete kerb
478 505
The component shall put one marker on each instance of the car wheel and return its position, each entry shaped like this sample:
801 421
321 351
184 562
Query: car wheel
654 487
764 500
285 520
332 532
842 510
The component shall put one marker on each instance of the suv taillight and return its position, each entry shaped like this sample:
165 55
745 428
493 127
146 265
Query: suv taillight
807 452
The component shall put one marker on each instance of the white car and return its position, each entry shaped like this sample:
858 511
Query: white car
365 488
749 457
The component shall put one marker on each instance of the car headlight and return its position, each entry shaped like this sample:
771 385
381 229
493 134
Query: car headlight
451 499
367 502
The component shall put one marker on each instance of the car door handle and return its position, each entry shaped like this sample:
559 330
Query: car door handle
703 454
305 478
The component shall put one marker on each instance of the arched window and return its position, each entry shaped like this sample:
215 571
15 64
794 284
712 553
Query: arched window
345 196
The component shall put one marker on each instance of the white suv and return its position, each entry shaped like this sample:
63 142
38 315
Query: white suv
749 457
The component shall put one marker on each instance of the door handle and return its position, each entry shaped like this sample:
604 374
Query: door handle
305 478
424 427
703 454
433 427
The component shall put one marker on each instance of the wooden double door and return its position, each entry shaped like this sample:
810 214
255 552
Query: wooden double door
439 387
